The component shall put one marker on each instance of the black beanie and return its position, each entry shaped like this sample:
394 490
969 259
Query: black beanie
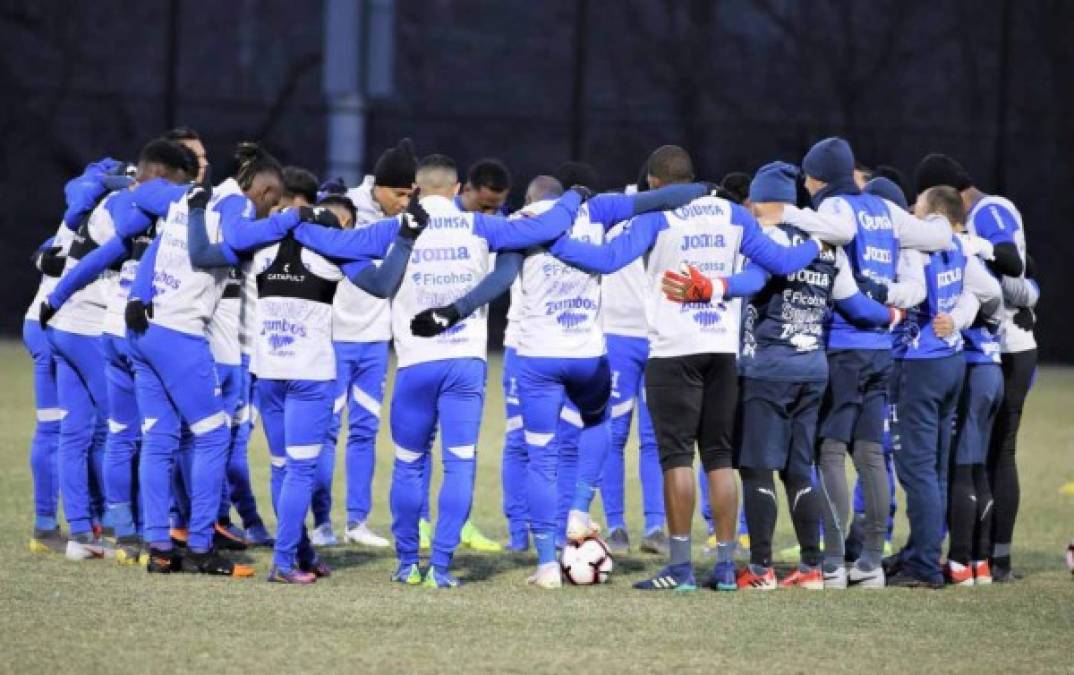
397 166
938 169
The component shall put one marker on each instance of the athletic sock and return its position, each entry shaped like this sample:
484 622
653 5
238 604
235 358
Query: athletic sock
982 532
836 506
961 513
545 544
805 514
725 551
759 499
869 462
681 553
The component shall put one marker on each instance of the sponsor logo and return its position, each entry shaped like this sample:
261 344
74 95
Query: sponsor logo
948 277
571 319
707 318
880 255
699 209
692 241
448 223
438 254
869 222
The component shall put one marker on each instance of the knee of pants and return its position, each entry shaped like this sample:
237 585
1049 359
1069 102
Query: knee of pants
620 432
543 457
305 468
677 460
363 415
713 459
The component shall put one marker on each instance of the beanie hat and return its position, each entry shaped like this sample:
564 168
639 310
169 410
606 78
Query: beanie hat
887 189
829 160
397 166
775 182
939 169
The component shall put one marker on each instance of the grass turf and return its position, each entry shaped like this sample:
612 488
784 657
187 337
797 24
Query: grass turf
95 616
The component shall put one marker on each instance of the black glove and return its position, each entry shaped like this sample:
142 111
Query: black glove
319 215
434 321
415 220
1025 318
198 197
45 313
49 262
872 289
583 192
137 315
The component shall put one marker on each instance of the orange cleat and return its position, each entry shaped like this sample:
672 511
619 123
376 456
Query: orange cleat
179 535
811 579
958 574
749 580
982 573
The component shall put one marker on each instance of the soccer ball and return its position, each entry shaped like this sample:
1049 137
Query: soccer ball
586 562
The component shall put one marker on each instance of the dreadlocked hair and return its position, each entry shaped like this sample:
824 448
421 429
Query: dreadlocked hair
254 160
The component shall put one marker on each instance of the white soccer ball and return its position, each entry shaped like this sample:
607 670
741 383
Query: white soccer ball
586 562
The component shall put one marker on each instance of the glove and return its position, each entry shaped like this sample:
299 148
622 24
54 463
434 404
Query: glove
49 261
198 197
690 286
1025 319
978 246
137 315
872 289
319 215
431 322
414 220
583 192
45 313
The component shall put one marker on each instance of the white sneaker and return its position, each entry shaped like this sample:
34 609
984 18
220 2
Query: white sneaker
874 578
361 534
322 535
836 580
80 550
579 526
547 576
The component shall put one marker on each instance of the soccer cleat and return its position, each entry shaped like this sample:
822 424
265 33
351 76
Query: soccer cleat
472 538
316 567
809 578
678 578
655 542
179 535
835 579
227 537
749 579
723 577
258 537
1003 575
873 578
904 579
982 574
163 562
48 541
359 533
128 550
407 573
958 574
618 541
580 527
548 576
88 547
425 534
322 535
214 564
292 576
434 579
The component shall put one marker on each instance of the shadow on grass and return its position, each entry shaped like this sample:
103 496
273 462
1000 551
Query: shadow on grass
342 557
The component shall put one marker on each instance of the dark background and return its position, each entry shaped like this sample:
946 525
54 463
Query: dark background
738 83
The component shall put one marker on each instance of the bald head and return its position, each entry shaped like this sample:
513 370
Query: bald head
437 175
670 164
543 187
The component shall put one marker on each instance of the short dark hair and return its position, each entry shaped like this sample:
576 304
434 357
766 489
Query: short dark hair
489 173
340 200
736 185
170 154
895 176
571 173
299 181
671 164
253 160
182 134
946 201
437 161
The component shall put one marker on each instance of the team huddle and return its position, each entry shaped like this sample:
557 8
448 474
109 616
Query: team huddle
768 324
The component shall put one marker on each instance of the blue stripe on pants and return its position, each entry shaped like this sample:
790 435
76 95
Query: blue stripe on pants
44 446
121 445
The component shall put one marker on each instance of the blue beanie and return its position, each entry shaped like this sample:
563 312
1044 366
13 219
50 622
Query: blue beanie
774 182
887 189
829 160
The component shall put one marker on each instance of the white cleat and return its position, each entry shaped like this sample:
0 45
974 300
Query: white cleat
322 535
89 550
580 527
874 578
361 534
836 580
548 576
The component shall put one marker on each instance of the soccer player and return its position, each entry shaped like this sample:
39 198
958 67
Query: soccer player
691 380
361 329
930 382
487 185
996 219
441 355
784 371
859 359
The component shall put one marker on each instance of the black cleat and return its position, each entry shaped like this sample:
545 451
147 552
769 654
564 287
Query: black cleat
904 579
214 564
163 562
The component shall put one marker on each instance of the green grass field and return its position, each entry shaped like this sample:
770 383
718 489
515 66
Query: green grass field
59 616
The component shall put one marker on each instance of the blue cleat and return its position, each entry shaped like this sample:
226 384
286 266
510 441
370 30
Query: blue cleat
723 577
407 573
435 579
672 578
